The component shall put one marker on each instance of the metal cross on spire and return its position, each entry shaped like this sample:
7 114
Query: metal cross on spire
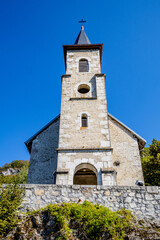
82 21
82 37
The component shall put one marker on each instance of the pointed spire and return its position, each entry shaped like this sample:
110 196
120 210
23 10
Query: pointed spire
82 38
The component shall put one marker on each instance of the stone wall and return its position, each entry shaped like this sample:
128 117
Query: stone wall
69 160
77 144
73 57
74 104
43 161
126 153
66 144
143 201
72 135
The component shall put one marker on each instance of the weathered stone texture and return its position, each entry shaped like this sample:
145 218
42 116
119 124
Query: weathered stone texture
126 152
71 159
94 105
71 133
143 201
43 161
92 145
73 104
73 57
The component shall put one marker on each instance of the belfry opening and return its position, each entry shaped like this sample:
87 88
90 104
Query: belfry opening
85 174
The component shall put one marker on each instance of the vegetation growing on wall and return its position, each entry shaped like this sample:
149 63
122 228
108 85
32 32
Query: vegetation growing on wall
10 199
93 220
76 221
151 163
73 221
20 177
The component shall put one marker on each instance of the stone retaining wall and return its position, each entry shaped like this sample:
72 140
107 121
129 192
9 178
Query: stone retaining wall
143 201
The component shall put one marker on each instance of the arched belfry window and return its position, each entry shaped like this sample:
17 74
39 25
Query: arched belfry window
84 120
83 65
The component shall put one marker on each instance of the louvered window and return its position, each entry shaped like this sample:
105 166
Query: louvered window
83 65
84 121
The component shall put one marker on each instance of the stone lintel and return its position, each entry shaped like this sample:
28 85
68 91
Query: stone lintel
83 98
65 76
62 171
108 170
100 75
84 149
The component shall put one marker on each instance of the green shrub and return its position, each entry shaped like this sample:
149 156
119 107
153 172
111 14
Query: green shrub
7 179
20 177
151 163
15 164
10 199
93 220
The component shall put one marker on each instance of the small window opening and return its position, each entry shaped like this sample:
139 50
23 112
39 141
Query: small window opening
83 88
84 121
83 65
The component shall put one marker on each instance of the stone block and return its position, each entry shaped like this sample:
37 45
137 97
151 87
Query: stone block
149 197
55 193
138 213
107 193
128 200
152 189
39 192
133 205
132 194
117 194
38 202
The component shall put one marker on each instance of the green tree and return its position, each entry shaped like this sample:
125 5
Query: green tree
18 164
20 177
151 163
10 199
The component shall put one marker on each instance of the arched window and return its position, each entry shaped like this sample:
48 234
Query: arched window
84 120
83 65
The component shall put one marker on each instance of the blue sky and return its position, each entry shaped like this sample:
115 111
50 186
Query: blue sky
31 63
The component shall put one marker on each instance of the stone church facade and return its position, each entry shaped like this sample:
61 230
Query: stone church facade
85 144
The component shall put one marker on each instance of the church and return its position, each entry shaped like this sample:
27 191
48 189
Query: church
85 144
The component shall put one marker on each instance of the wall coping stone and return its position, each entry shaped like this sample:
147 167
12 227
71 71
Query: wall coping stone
150 189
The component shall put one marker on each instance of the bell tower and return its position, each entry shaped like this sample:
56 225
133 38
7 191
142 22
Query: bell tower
84 151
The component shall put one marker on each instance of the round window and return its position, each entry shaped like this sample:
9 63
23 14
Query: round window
83 88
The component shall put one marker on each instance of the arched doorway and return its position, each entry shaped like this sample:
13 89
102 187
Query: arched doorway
85 174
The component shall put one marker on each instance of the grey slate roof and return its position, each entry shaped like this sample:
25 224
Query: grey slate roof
82 38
